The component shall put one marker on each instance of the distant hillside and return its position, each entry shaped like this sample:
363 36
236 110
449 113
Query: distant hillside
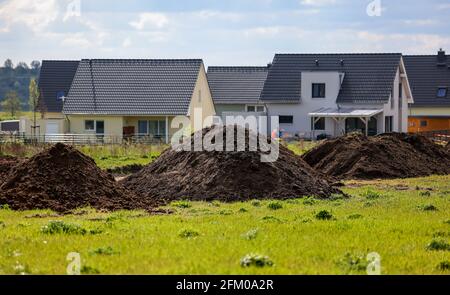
18 79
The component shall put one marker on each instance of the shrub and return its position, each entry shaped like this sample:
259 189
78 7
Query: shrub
60 227
256 203
181 204
309 201
438 245
353 263
371 194
425 194
324 215
251 234
271 219
444 265
5 207
256 260
104 251
429 208
89 270
188 233
275 205
355 216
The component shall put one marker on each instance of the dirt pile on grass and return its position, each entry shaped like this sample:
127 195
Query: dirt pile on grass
7 163
61 178
227 176
392 155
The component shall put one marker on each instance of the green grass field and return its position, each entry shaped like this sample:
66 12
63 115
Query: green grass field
406 221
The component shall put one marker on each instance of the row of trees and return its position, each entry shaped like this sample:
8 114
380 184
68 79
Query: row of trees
35 65
11 102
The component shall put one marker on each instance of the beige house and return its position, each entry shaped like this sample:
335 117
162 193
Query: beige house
117 99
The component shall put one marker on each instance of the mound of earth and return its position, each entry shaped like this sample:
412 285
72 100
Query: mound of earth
61 178
393 155
7 163
227 176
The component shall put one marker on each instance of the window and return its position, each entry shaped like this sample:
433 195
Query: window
423 123
142 127
256 108
318 90
286 119
157 128
89 125
442 92
388 120
60 95
319 125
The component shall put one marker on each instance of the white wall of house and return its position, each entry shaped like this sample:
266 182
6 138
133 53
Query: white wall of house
397 108
300 111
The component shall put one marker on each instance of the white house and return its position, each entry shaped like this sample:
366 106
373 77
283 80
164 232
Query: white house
338 92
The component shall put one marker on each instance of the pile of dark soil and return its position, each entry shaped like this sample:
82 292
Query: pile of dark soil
227 176
62 179
7 163
393 155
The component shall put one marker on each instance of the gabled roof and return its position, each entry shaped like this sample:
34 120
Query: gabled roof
55 79
425 77
236 84
368 77
133 87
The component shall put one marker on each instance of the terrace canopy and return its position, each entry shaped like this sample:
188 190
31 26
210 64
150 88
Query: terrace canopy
339 115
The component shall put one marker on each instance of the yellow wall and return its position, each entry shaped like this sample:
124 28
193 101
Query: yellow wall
52 115
440 111
206 102
113 124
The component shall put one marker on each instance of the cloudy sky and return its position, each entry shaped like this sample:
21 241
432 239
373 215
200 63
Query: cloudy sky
222 32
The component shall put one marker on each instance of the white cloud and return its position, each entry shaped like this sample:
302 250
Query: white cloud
126 43
420 22
34 14
150 21
212 14
317 2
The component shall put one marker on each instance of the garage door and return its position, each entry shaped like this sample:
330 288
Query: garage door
52 128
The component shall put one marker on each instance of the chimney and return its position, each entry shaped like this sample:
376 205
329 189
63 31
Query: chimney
441 58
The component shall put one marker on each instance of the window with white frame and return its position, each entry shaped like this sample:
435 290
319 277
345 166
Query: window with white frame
89 125
256 108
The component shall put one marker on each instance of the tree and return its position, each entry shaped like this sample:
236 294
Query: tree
22 65
11 103
9 64
35 65
33 101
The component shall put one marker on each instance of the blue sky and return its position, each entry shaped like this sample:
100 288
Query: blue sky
225 32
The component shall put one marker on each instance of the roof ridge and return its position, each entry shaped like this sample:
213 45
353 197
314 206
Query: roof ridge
140 60
337 54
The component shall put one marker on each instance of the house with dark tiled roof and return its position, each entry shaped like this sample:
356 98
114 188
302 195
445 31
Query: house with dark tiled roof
120 97
324 94
429 76
237 89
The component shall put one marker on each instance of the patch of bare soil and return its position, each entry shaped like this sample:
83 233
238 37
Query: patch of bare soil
385 156
7 163
227 176
62 179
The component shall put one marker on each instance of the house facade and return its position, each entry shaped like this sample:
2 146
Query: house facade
322 94
55 79
124 98
429 76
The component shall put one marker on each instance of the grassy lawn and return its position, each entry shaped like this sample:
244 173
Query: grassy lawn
397 219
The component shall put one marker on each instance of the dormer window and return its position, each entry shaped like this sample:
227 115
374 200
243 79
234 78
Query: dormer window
442 92
318 90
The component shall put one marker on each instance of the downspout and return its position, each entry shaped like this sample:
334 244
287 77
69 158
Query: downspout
94 95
